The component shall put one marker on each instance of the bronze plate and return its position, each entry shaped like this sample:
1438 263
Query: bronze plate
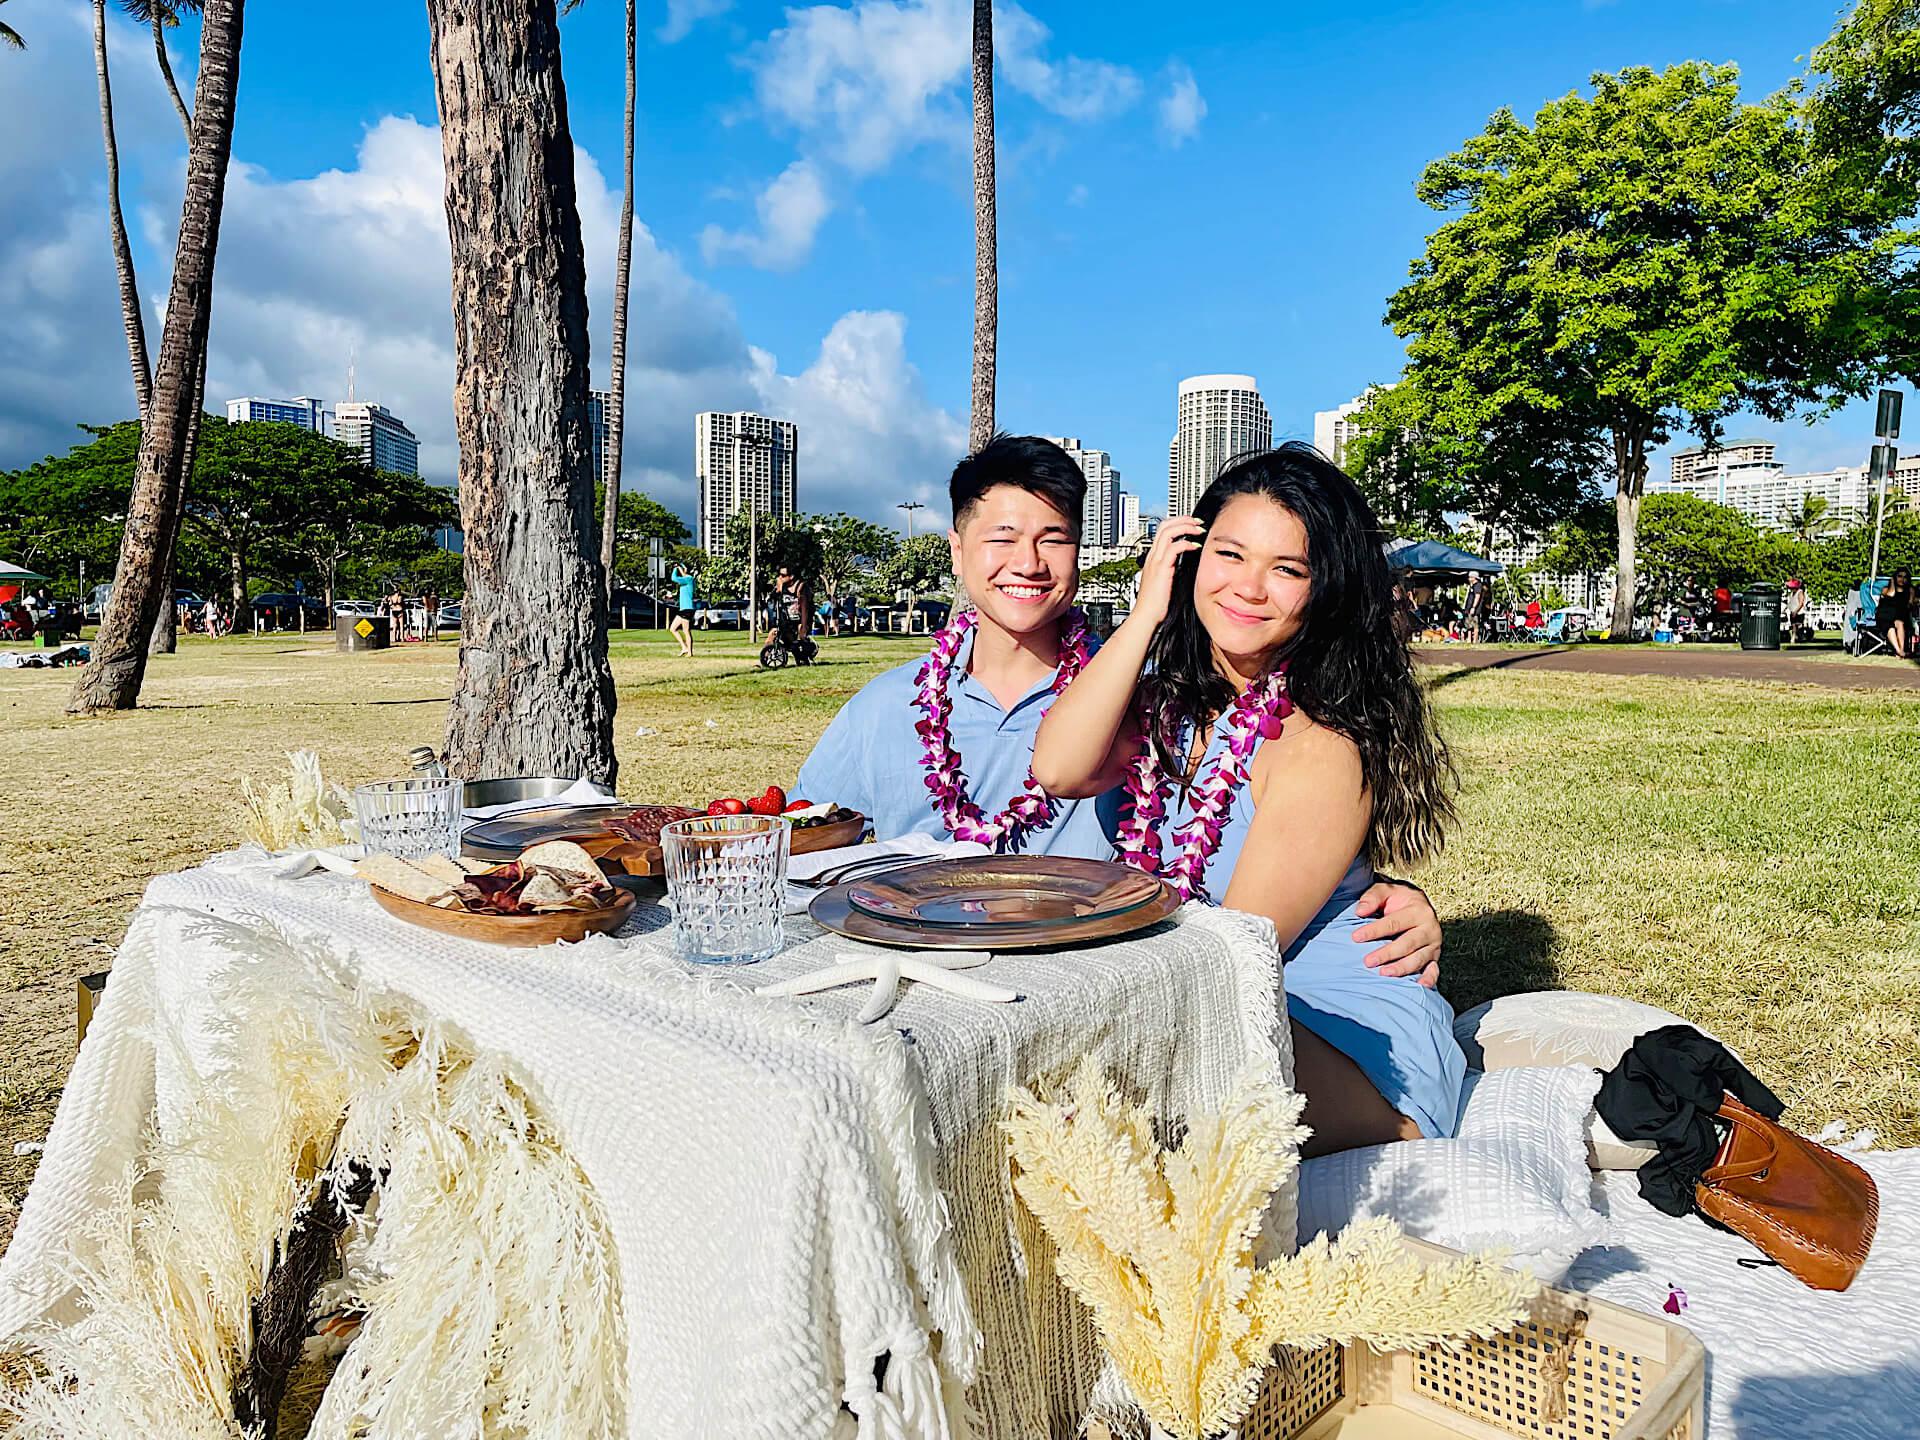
992 894
1017 877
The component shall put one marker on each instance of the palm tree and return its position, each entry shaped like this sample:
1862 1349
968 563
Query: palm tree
617 388
535 694
111 681
1811 519
160 17
986 263
10 36
130 316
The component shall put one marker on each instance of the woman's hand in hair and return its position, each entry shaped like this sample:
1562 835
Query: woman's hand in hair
1409 925
1176 537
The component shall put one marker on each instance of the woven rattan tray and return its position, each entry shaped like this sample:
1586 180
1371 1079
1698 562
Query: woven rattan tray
1629 1376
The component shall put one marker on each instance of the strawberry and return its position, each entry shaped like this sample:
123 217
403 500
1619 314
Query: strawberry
761 805
731 806
718 807
777 798
793 805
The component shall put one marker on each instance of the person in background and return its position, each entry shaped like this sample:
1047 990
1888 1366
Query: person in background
1799 623
681 625
1476 608
1893 614
430 603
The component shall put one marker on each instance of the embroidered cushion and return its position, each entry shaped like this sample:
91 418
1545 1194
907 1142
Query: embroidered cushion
1514 1178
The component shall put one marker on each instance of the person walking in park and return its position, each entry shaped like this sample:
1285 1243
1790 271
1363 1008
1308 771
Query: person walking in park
430 603
681 625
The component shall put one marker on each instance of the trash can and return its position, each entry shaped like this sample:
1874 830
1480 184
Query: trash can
362 632
1760 617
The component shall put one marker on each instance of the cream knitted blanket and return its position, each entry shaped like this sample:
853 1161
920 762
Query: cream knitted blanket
791 1196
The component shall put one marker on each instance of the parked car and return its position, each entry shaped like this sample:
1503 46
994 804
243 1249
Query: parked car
722 614
892 618
450 615
97 600
356 607
284 604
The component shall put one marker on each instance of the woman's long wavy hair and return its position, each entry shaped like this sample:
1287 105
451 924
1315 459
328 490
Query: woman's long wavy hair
1346 669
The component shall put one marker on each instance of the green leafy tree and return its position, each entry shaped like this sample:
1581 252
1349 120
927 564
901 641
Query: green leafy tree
1395 465
66 510
1120 575
356 524
1865 102
923 565
850 547
1811 518
1635 261
783 541
1583 543
1837 564
639 519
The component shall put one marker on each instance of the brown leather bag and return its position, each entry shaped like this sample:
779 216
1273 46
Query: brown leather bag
1808 1209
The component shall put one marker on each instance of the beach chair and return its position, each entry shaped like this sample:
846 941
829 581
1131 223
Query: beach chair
1857 632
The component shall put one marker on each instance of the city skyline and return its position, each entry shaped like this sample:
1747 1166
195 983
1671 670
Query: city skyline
799 256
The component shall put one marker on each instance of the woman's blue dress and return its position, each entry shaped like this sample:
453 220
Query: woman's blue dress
1399 1032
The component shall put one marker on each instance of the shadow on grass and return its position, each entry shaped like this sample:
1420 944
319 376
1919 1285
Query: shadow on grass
1467 668
1498 952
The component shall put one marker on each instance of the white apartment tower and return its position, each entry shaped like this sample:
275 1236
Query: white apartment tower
1333 430
1220 416
1129 517
1100 514
740 458
381 437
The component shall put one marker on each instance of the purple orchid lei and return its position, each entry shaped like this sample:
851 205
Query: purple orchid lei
1031 808
1258 714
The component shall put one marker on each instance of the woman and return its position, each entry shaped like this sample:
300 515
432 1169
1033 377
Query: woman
1264 718
681 625
1893 612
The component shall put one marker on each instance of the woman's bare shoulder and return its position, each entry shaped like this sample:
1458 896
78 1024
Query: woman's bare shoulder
1304 745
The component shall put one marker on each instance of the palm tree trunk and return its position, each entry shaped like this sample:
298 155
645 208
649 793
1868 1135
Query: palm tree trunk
617 393
130 315
166 71
535 694
986 263
112 680
165 637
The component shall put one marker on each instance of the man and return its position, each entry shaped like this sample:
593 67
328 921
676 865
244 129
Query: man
1476 612
1015 544
793 614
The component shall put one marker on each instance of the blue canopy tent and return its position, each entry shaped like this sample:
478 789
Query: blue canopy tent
1433 558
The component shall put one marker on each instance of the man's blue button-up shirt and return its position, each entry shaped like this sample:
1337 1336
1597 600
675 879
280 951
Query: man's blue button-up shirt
869 760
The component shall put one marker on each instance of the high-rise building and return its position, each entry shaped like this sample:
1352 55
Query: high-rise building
1730 458
303 410
740 458
1100 514
1334 429
600 427
1220 416
1129 517
381 437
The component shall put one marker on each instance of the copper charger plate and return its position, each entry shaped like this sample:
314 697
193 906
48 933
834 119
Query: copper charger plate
1048 889
520 930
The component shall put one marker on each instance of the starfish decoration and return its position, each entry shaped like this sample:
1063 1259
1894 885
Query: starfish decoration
886 970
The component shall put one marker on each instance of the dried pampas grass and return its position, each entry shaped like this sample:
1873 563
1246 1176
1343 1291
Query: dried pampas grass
483 1263
302 812
1160 1247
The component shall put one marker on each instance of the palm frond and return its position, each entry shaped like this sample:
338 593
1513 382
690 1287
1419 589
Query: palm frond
10 36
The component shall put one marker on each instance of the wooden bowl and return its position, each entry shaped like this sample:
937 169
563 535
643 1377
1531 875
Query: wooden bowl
619 856
520 930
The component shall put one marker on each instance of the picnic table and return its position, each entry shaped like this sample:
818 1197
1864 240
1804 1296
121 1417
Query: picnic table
810 1216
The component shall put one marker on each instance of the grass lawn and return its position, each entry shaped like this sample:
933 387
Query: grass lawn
1742 854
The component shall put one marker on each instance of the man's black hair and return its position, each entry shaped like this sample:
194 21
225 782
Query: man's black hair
1027 462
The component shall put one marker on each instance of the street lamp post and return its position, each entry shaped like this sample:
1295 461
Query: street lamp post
910 506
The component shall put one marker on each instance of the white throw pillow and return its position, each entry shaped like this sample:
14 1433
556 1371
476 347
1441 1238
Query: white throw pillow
1515 1177
1565 1027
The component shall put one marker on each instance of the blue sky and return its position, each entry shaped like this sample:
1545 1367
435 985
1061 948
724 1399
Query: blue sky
1182 189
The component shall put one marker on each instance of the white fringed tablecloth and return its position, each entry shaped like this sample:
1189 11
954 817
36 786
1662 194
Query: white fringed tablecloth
792 1196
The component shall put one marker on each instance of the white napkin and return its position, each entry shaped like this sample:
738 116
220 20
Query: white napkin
915 844
289 864
581 792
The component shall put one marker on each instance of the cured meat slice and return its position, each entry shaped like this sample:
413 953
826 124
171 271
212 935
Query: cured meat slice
642 824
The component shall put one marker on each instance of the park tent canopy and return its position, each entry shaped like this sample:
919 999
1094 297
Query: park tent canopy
1431 557
12 574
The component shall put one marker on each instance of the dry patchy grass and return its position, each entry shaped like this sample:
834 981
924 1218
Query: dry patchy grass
1741 854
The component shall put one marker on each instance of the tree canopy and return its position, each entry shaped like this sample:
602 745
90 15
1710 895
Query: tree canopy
1646 258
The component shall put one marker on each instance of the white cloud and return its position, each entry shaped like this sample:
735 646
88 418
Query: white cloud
683 15
791 208
1183 107
863 83
63 353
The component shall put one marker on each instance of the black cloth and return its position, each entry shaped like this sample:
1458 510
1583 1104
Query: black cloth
1667 1088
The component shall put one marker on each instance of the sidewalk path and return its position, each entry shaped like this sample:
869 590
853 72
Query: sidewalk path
1688 662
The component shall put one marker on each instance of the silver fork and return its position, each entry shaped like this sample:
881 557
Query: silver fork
862 868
